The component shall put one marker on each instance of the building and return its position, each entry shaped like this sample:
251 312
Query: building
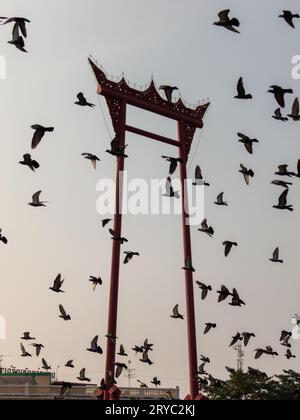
24 385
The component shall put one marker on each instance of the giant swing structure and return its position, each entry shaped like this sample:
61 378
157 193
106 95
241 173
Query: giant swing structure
118 95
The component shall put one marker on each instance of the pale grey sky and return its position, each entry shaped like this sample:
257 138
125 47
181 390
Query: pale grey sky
177 43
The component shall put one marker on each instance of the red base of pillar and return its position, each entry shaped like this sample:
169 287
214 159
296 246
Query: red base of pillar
199 397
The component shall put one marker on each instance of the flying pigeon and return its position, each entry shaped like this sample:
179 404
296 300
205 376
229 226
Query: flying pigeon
176 314
282 202
36 200
39 134
241 91
169 90
206 229
82 376
93 158
279 93
226 22
275 257
24 352
199 178
63 314
247 173
117 237
228 246
129 256
45 365
173 163
170 190
248 143
58 282
96 281
220 201
116 149
205 289
208 327
94 346
278 116
28 161
295 116
288 16
3 238
82 101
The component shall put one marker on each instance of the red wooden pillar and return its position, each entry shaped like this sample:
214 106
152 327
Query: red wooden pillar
189 286
115 264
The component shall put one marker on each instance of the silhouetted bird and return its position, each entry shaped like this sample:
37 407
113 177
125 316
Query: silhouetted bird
117 237
278 116
170 190
105 222
3 238
220 201
248 143
111 337
247 173
24 352
283 171
116 149
280 183
93 158
94 346
188 265
38 348
27 161
169 90
241 90
39 134
70 364
201 369
58 282
289 17
142 384
147 346
173 163
64 390
155 381
235 339
247 337
295 111
199 177
145 358
45 365
206 229
282 202
228 246
20 22
275 257
226 22
119 368
208 327
176 314
82 101
27 337
205 359
122 351
279 93
63 314
205 289
289 355
230 370
97 281
17 39
36 200
224 293
298 169
129 256
285 335
268 351
236 300
138 349
82 377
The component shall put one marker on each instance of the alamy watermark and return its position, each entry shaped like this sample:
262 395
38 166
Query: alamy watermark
2 68
296 327
296 67
157 197
2 328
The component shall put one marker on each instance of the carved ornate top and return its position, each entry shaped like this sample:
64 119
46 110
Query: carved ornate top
151 95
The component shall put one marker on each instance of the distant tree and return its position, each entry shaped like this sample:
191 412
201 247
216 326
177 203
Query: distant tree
255 386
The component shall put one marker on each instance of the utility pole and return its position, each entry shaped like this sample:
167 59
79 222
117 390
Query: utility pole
240 357
130 374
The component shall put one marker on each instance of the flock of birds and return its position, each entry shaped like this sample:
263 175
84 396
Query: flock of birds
19 33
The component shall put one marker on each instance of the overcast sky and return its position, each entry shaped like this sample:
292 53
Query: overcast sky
177 43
